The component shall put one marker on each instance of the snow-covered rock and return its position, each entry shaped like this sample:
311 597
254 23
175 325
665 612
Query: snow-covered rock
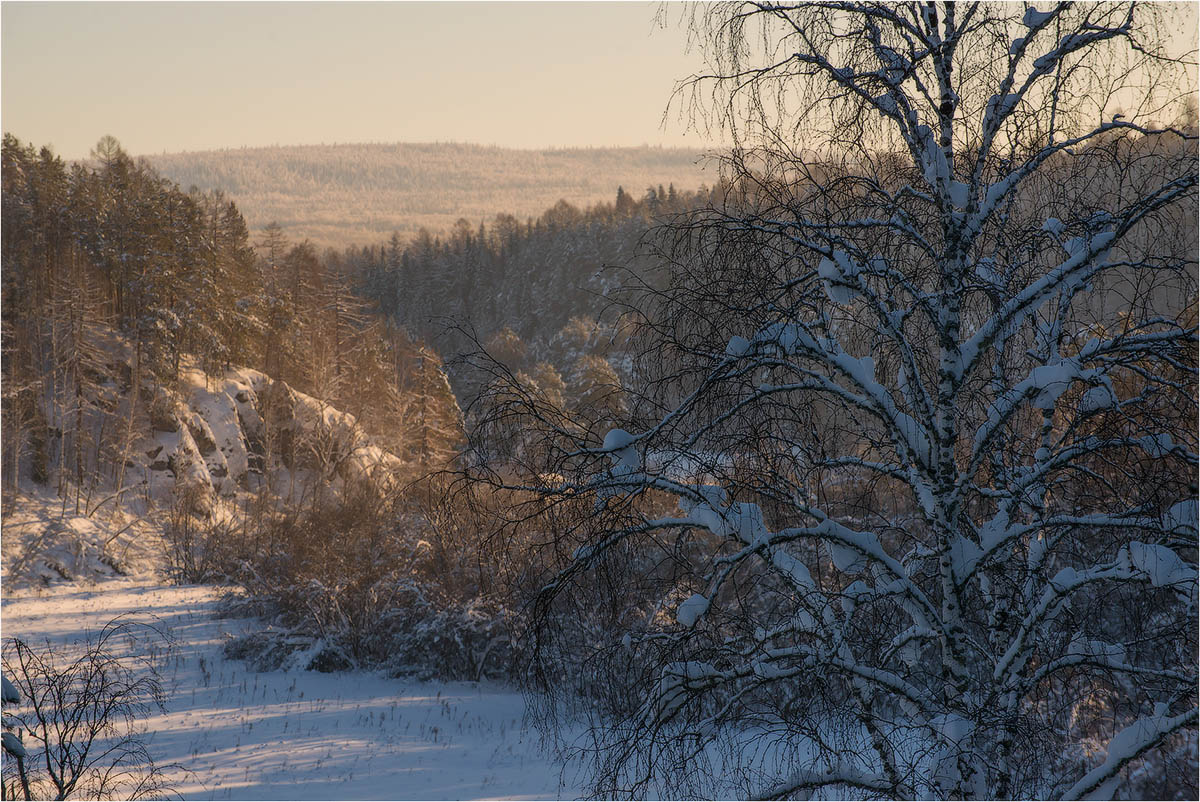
221 434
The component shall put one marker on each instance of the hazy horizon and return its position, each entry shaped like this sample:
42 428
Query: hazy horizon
356 194
423 143
165 77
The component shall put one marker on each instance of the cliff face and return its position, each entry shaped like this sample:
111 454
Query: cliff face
242 431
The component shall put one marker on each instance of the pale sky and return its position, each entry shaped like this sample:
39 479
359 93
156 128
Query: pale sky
194 76
199 75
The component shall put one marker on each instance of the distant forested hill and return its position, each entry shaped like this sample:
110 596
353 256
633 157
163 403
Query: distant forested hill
339 195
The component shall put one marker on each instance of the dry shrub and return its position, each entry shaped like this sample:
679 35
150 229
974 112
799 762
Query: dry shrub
372 578
77 718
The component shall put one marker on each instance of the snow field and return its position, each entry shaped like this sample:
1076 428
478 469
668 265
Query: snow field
230 733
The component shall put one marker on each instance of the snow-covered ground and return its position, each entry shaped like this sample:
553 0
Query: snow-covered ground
238 734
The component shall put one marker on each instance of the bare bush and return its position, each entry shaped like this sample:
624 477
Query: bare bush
400 580
77 718
200 548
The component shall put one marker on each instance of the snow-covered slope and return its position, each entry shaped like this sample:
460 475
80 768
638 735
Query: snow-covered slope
237 734
45 540
195 448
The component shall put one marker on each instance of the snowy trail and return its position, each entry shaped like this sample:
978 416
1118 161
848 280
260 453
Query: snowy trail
238 734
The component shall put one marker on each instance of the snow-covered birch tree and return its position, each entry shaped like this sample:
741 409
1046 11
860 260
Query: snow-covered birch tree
923 415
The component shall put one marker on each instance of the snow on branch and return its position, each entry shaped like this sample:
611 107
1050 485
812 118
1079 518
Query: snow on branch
1125 747
843 775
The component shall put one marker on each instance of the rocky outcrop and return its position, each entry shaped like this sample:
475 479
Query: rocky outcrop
217 436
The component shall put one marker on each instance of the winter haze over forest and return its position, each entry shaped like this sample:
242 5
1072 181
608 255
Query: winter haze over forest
609 400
